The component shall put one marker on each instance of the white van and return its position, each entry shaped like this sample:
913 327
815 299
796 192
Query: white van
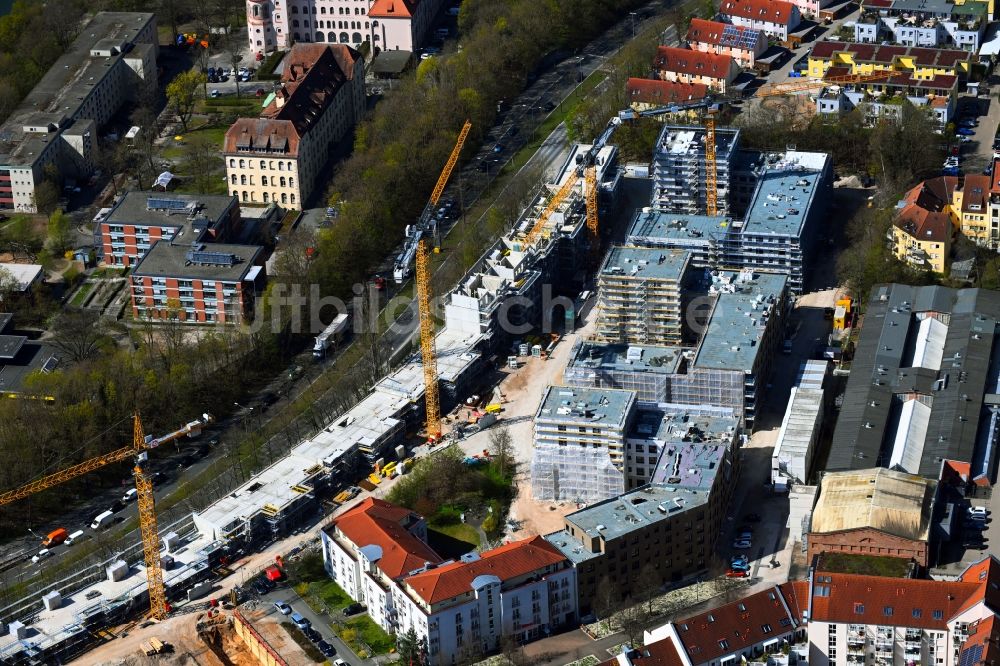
130 495
79 535
102 520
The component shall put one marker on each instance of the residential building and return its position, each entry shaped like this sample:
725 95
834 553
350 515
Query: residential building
198 283
923 369
971 204
140 219
931 24
922 64
708 239
744 45
775 18
679 168
717 72
378 553
644 369
579 452
748 630
112 61
883 99
792 457
639 295
278 158
24 278
20 357
922 230
646 94
675 524
387 25
875 511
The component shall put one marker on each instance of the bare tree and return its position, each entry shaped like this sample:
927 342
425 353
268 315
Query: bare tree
502 449
632 619
79 334
648 584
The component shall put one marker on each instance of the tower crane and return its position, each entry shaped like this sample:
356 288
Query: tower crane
427 224
144 485
423 279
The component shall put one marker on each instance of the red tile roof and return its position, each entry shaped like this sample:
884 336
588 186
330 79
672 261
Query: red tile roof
509 561
886 55
695 63
393 9
982 647
773 11
985 572
374 522
658 653
717 33
995 181
976 191
924 217
916 603
737 625
654 91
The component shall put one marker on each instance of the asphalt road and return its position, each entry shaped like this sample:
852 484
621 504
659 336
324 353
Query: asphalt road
320 623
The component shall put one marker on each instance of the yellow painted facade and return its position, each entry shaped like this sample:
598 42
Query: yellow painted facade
818 66
919 253
988 3
974 225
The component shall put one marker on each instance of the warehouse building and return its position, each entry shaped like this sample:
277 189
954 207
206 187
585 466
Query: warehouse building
791 460
924 379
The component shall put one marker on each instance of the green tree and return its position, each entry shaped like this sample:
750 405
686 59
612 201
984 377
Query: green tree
409 649
182 94
46 196
60 232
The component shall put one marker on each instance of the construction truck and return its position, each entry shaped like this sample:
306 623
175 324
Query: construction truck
330 336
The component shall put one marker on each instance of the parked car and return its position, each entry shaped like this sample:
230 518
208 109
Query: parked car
733 573
130 495
741 543
117 506
498 148
312 634
260 587
185 461
968 122
283 607
977 511
965 131
965 139
353 609
214 93
42 554
327 649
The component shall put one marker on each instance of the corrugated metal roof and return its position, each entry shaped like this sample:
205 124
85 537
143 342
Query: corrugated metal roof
879 498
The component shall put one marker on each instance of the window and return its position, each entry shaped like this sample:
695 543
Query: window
859 609
283 181
291 182
242 164
917 613
724 644
263 180
938 615
766 628
232 162
887 611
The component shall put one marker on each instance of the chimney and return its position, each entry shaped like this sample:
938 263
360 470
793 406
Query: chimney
279 97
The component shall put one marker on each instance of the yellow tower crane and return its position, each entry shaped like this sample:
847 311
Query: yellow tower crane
593 227
147 510
428 354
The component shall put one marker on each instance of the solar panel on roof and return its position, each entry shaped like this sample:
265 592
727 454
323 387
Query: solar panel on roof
971 655
740 38
156 203
50 364
211 258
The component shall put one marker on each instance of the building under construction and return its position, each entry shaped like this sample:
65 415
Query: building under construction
679 168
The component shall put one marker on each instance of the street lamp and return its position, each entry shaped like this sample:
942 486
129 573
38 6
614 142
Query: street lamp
633 15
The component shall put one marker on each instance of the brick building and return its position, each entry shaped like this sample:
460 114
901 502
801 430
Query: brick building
874 512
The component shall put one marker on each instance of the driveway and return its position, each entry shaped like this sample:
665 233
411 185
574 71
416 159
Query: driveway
320 622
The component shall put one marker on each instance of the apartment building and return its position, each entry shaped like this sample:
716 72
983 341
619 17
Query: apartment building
141 219
923 370
971 204
112 61
775 18
679 168
927 23
639 295
883 100
922 64
743 45
378 553
644 94
651 536
877 511
677 65
198 283
579 451
922 231
388 25
278 157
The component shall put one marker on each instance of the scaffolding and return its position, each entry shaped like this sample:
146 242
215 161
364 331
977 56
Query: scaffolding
575 473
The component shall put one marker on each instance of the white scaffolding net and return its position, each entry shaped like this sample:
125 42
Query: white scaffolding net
574 473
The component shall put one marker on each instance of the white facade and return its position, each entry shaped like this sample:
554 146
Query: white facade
949 32
771 28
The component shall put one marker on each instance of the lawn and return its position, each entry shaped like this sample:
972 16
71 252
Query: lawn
361 633
327 593
461 531
81 294
869 565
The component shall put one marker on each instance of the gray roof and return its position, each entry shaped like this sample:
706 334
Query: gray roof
166 259
30 356
661 224
784 194
645 263
948 366
738 321
201 211
586 406
67 83
633 358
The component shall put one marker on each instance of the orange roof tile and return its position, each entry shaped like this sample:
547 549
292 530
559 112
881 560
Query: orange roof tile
924 217
658 653
379 523
995 178
393 9
717 33
916 603
696 63
773 11
512 560
654 91
986 573
738 625
982 647
976 191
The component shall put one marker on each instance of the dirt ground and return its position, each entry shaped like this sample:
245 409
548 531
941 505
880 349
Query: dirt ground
188 646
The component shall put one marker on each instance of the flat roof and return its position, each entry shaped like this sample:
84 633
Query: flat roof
167 259
681 424
785 193
689 140
635 510
627 358
883 499
570 547
166 209
688 465
732 338
29 357
586 405
25 274
56 98
10 345
664 224
799 424
644 263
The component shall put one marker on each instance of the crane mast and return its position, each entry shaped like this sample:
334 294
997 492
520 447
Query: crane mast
427 351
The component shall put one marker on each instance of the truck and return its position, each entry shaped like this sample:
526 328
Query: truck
102 520
330 336
55 537
401 269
